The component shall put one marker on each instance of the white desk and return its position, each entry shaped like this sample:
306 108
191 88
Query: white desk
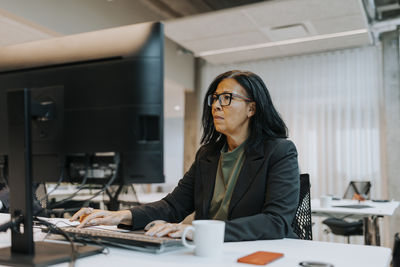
377 210
340 255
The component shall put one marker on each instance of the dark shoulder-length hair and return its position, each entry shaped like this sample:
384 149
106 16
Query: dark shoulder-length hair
265 123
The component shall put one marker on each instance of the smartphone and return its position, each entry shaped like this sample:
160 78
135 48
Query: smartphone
260 257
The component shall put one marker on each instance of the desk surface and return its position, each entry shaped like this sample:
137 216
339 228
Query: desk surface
340 255
377 208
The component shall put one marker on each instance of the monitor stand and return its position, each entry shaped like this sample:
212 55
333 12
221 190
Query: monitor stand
23 250
46 253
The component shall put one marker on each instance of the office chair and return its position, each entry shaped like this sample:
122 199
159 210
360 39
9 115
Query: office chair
396 251
359 190
302 221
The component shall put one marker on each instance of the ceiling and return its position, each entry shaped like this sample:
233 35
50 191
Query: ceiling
272 29
221 32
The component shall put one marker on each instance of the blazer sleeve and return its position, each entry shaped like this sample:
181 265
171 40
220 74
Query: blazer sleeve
281 200
173 208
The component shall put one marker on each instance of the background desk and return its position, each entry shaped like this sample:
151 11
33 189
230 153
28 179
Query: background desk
84 194
60 194
340 255
378 209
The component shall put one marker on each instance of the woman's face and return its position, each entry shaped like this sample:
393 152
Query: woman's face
232 120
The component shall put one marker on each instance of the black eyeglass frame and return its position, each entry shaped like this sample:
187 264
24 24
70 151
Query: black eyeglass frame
213 97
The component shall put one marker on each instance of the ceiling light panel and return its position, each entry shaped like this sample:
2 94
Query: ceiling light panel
286 12
338 42
241 56
221 42
208 25
19 32
289 49
340 24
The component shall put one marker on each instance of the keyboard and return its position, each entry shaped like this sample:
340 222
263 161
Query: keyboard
135 240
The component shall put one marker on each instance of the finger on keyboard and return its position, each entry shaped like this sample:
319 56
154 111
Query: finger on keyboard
153 223
155 229
166 230
81 212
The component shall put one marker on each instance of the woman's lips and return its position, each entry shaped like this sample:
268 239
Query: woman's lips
218 118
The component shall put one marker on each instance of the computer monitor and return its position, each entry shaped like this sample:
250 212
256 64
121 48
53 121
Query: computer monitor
107 90
71 100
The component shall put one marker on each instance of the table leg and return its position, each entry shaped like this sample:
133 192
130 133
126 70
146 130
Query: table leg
367 234
371 231
377 232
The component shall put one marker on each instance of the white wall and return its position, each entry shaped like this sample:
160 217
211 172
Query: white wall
179 65
174 97
179 77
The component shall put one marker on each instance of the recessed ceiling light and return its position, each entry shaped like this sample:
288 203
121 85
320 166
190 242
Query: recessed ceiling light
278 43
177 108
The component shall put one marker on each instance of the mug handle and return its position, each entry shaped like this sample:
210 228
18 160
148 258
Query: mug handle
185 231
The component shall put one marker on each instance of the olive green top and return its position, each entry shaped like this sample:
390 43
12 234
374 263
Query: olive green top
229 166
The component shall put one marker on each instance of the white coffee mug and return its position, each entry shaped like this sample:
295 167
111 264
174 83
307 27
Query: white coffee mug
208 237
325 201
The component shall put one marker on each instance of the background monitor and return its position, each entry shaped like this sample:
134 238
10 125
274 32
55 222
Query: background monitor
105 93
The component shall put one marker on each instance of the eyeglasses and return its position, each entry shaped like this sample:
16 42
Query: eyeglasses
225 99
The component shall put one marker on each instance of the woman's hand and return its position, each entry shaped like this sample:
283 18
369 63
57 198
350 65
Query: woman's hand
161 228
92 217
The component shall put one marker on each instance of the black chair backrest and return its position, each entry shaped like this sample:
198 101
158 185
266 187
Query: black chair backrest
302 225
396 251
358 187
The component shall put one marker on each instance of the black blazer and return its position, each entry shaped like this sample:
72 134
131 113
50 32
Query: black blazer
263 203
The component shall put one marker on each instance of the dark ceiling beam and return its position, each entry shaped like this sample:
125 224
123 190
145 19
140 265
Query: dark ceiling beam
171 9
162 8
187 8
222 4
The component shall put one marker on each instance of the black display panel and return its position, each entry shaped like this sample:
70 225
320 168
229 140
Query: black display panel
108 102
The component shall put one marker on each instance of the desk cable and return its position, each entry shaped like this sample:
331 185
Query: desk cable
79 188
57 230
60 180
106 186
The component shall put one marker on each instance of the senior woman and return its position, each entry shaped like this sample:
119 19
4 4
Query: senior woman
245 173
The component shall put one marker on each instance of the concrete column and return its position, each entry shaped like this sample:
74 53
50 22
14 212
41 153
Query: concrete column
391 115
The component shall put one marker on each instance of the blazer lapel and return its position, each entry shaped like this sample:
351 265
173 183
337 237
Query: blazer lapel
252 163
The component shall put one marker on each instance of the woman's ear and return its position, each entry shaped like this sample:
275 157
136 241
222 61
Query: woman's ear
252 109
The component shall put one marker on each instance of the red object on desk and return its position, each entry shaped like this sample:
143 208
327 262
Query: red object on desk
358 197
260 257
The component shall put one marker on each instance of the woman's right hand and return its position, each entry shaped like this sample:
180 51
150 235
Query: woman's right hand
92 217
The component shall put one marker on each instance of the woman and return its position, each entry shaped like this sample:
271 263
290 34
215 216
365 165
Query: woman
245 173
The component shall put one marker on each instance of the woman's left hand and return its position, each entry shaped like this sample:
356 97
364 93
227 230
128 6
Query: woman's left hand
162 228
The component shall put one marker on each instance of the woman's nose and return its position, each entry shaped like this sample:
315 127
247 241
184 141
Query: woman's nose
216 105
